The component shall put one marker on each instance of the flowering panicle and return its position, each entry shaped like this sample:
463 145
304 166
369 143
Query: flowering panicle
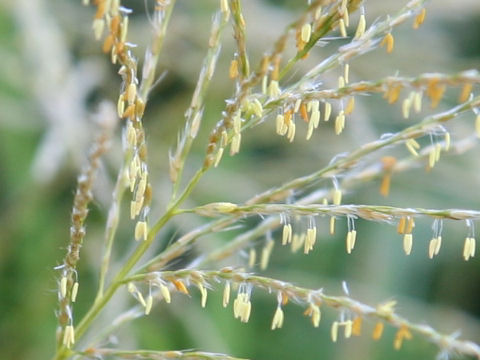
262 93
351 312
68 284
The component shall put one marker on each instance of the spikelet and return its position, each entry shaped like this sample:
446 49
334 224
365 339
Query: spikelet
377 331
74 292
204 294
412 146
273 89
296 107
340 122
242 307
226 294
332 225
401 225
309 131
148 304
342 27
388 41
141 230
465 94
235 145
392 94
417 101
306 32
291 131
131 93
69 336
402 333
327 111
334 331
180 286
406 105
350 241
165 293
407 243
350 106
432 245
277 320
304 112
438 245
287 234
360 27
310 239
346 73
63 286
419 19
315 118
347 331
469 248
337 197
435 92
314 312
233 70
98 26
357 326
281 127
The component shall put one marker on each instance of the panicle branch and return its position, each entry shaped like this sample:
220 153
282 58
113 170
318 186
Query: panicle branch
349 310
367 212
194 113
68 284
157 355
257 95
350 179
349 160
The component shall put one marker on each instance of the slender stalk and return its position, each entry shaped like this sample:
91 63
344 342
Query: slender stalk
160 24
194 113
239 34
369 87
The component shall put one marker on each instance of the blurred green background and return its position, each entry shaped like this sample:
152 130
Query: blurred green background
52 77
